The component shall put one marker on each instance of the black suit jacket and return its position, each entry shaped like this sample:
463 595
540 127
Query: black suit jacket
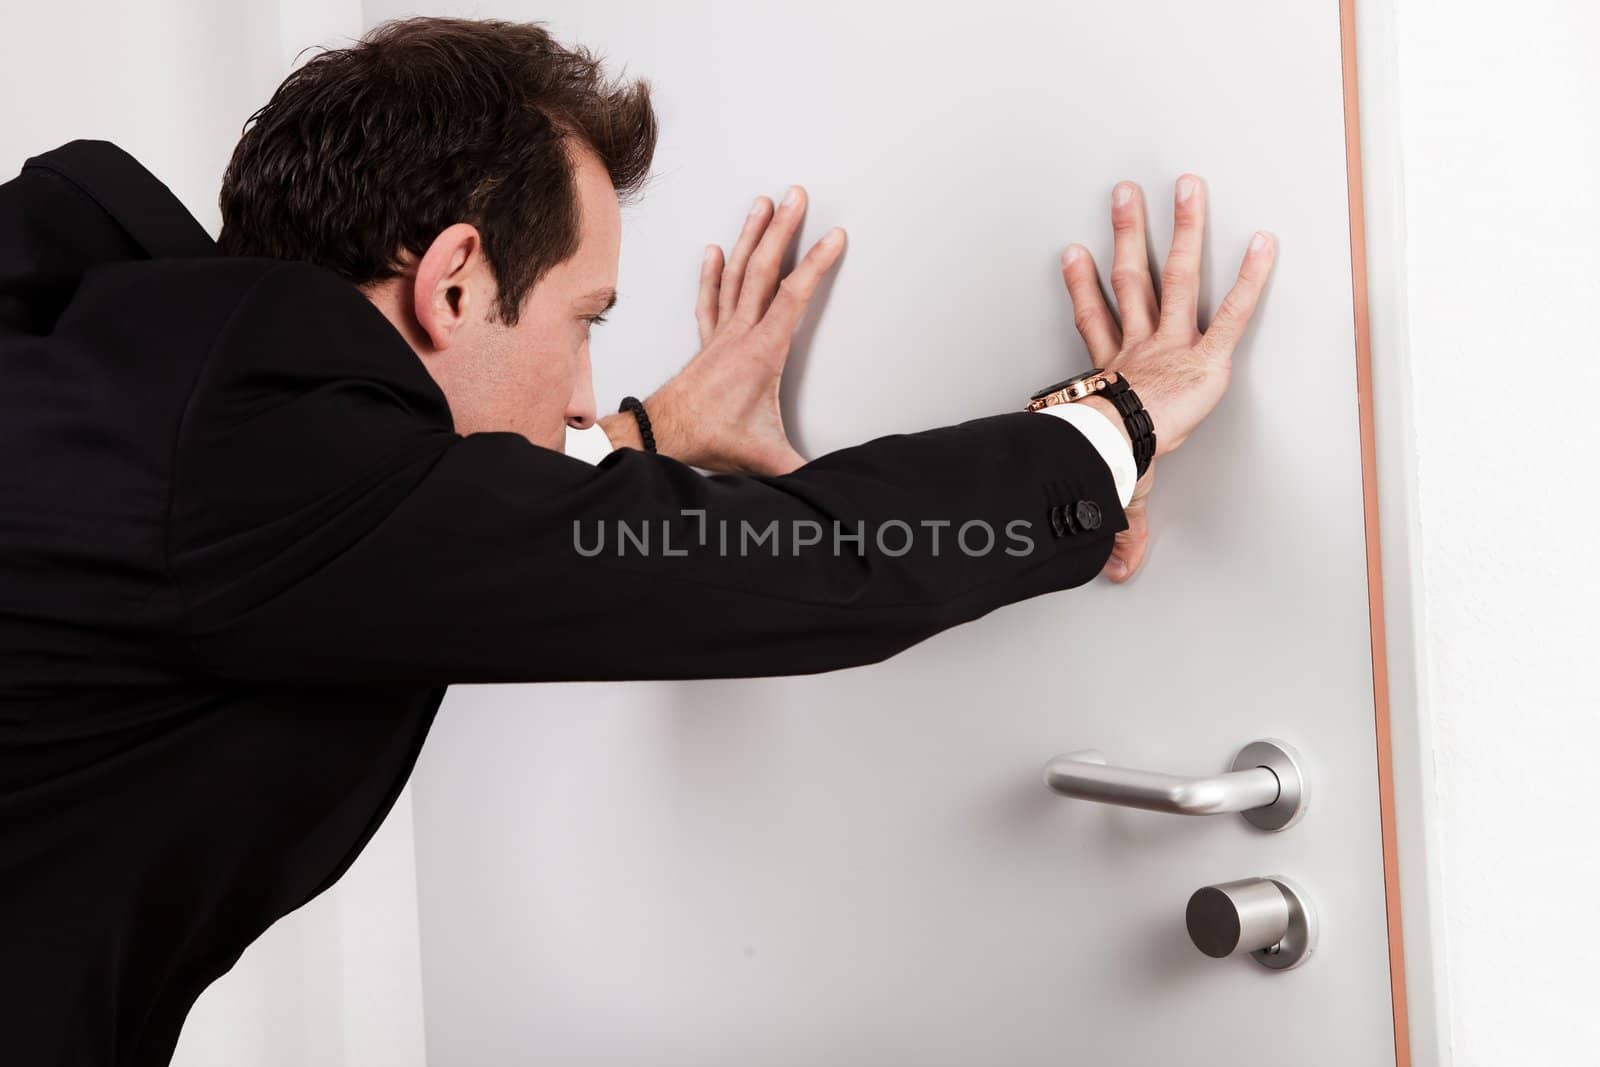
243 550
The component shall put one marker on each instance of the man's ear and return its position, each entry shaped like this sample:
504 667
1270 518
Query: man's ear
446 288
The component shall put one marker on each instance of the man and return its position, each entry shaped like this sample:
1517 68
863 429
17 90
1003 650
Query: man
263 502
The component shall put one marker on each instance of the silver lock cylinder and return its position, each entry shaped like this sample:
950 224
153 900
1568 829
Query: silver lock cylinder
1270 918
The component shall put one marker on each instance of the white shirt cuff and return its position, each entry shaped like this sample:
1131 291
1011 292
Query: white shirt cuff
1107 440
590 445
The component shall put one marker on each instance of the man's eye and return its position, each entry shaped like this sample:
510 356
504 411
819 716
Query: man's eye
594 320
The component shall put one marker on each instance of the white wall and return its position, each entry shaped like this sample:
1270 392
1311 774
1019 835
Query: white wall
337 982
166 80
1484 285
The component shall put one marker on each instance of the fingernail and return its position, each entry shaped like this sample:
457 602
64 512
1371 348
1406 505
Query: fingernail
711 252
792 197
1118 568
1071 255
1259 241
1122 194
755 208
1185 189
832 237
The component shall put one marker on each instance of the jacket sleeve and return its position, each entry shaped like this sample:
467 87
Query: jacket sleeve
329 525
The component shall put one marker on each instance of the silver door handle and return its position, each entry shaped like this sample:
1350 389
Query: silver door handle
1265 785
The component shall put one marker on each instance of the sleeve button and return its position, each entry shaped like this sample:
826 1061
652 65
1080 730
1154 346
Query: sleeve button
1058 520
1087 512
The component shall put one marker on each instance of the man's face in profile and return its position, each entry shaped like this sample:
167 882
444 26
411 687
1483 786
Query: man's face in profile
393 162
533 377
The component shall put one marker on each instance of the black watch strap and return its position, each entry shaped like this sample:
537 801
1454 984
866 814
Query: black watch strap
1141 429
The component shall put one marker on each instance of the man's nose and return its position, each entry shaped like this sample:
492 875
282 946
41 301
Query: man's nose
580 409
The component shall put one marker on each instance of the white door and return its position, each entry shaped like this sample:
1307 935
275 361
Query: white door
867 867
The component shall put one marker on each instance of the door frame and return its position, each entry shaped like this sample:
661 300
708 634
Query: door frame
1376 191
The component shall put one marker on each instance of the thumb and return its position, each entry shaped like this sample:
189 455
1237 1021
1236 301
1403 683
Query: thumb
1128 547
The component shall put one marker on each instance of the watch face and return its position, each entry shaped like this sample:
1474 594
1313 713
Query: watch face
1062 384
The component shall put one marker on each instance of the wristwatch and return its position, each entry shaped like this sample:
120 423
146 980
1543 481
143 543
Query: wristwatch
1115 388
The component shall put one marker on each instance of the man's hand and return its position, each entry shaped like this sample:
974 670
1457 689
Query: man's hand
1179 373
721 411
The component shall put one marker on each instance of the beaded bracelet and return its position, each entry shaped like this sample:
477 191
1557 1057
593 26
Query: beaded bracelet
635 405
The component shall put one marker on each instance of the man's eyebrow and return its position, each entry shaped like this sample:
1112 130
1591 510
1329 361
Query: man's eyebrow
608 294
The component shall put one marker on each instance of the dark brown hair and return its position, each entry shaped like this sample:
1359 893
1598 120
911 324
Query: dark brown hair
368 152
